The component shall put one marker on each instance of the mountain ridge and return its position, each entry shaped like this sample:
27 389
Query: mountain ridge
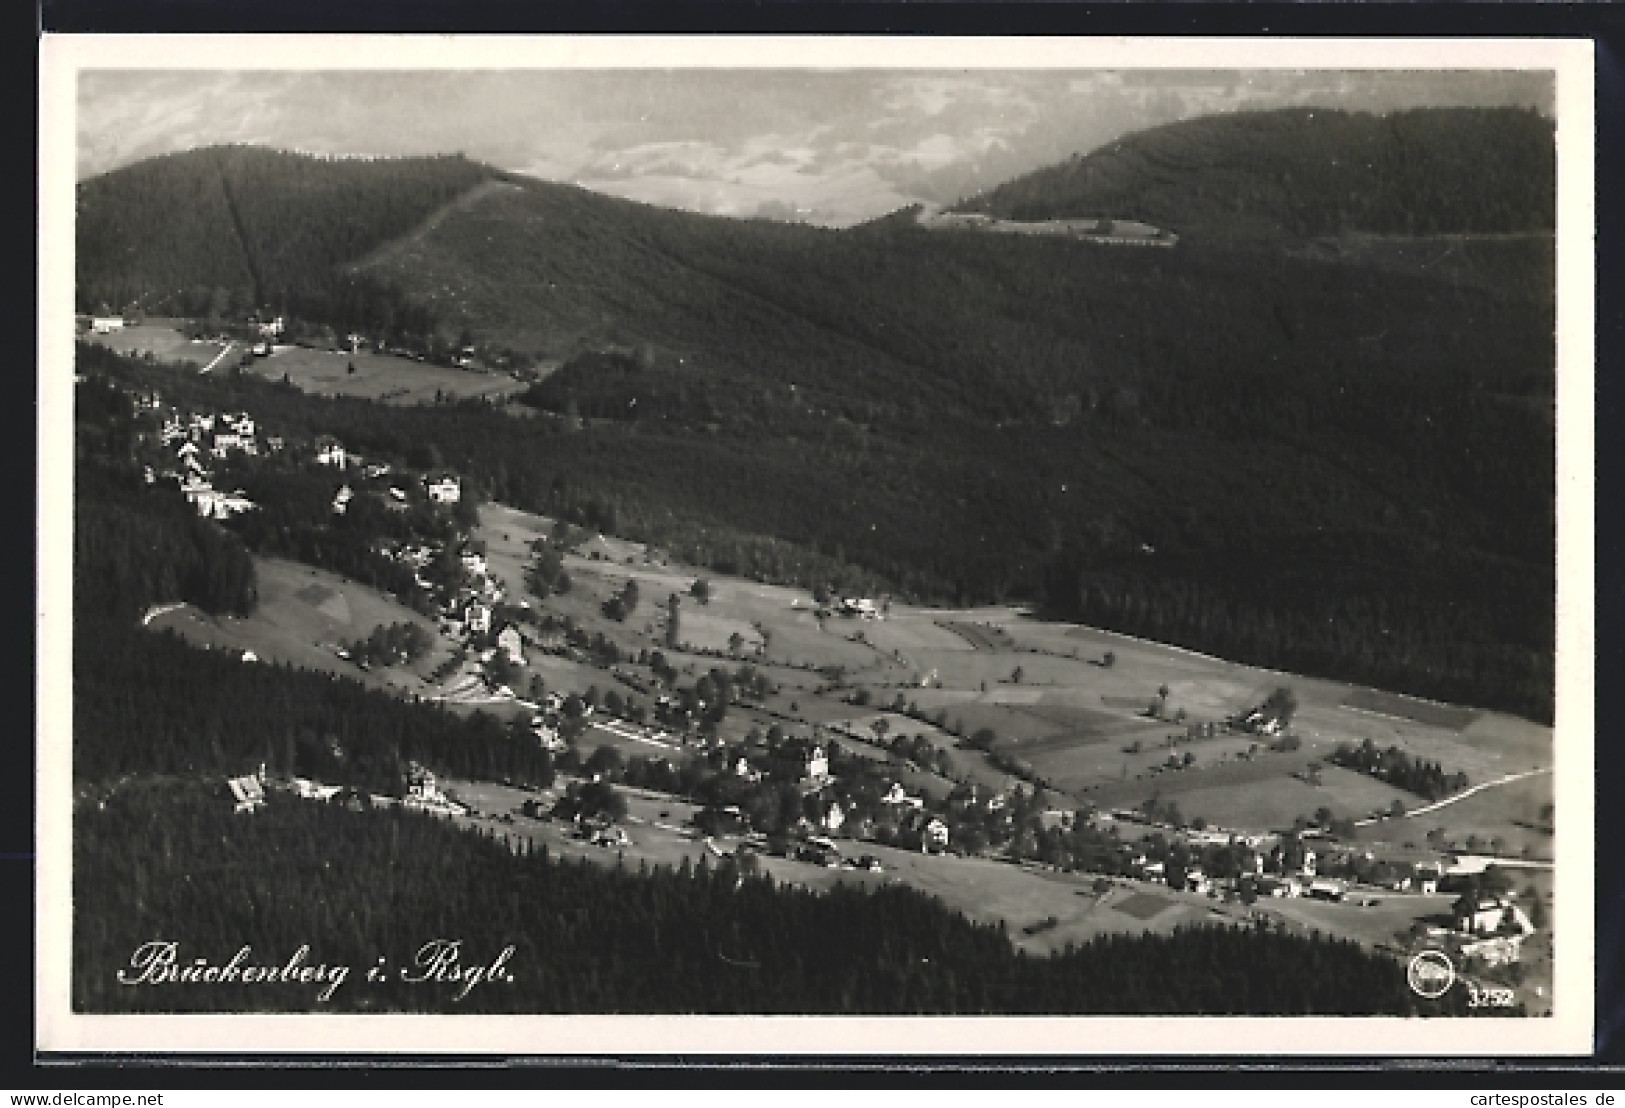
1339 453
1305 172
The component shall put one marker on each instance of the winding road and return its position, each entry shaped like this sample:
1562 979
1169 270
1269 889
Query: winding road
1449 800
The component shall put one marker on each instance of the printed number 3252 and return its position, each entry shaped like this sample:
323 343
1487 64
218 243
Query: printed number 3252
1488 997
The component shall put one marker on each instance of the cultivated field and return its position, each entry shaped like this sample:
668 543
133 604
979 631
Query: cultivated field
160 339
303 613
1079 723
383 377
1509 815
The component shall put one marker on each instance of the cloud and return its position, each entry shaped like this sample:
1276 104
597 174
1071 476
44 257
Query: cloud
841 146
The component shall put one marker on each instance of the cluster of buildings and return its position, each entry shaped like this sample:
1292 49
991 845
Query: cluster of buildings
828 809
423 794
198 440
249 790
438 488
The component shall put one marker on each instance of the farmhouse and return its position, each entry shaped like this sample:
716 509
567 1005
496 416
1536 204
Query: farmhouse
833 817
423 793
509 642
330 452
897 795
446 490
936 836
1499 950
1487 916
1326 890
547 733
307 789
800 760
248 792
107 324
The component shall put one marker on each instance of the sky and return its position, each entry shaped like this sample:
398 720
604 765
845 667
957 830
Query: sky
828 147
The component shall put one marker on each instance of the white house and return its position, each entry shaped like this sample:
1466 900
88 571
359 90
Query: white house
107 324
834 818
341 499
936 835
817 763
512 645
248 792
314 790
1496 951
330 452
211 503
447 490
473 562
479 618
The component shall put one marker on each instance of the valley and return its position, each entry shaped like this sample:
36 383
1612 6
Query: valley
943 674
1031 602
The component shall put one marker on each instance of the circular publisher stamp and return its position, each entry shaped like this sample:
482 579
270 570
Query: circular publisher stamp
1430 974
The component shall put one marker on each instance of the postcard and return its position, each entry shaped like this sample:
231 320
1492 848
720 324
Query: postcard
953 547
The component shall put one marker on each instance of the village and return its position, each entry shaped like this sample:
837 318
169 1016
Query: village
777 722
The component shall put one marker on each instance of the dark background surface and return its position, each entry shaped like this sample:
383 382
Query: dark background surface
1603 24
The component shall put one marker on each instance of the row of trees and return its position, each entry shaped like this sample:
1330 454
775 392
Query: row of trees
1427 779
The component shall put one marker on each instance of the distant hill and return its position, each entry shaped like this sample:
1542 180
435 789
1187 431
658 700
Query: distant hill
1308 172
238 227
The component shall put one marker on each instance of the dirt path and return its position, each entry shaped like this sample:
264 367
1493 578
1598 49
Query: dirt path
1463 795
224 351
160 609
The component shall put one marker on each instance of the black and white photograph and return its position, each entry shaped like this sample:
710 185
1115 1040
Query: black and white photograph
599 542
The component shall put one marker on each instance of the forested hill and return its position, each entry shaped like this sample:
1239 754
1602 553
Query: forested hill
1337 461
237 227
1306 172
